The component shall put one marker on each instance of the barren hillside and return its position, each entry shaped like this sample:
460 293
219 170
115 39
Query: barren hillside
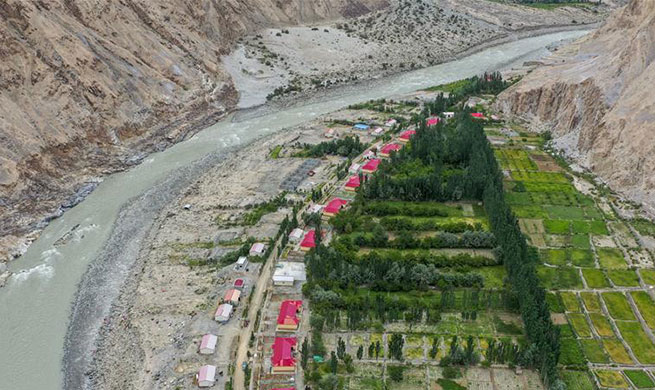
88 87
599 103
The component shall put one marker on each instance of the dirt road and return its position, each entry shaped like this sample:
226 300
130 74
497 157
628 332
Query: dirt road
255 305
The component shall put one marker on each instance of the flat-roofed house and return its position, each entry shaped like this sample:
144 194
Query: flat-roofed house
242 262
288 272
296 235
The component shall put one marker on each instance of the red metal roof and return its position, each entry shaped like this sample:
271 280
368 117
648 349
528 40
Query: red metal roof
407 134
433 121
387 149
335 206
353 182
289 313
310 239
477 115
283 352
238 283
371 165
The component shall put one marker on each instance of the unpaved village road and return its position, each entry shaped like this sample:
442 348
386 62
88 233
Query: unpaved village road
255 305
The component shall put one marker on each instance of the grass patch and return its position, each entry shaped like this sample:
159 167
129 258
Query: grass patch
275 153
555 256
639 379
580 241
646 307
639 342
570 353
591 301
508 328
598 228
594 351
614 379
582 258
618 306
579 324
494 276
554 303
644 226
556 226
623 277
577 380
601 324
560 278
617 351
611 258
570 301
648 276
564 212
595 278
447 384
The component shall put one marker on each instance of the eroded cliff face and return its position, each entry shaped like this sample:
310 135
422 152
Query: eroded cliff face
89 86
598 101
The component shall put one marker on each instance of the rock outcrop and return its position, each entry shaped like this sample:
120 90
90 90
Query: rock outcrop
598 101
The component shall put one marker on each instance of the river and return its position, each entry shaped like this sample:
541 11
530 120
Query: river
35 306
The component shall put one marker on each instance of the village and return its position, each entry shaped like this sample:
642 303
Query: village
280 328
295 284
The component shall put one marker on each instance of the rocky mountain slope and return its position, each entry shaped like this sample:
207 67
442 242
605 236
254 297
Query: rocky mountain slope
88 87
599 103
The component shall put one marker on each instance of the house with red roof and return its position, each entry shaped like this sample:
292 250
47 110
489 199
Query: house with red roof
406 135
353 183
309 241
283 358
285 388
289 317
334 207
433 120
388 148
239 284
371 166
232 296
478 115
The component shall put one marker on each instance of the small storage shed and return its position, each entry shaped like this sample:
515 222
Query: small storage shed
223 312
206 376
208 344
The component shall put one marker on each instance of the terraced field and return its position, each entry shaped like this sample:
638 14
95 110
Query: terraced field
601 277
